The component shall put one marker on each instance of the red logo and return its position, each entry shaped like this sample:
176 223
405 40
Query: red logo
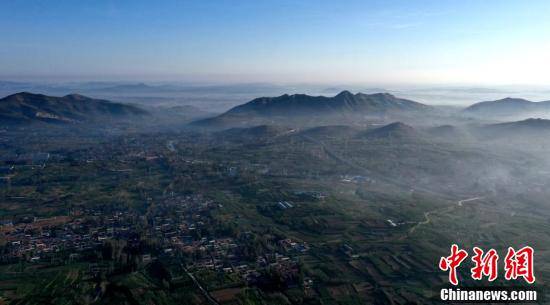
452 262
485 264
517 264
520 263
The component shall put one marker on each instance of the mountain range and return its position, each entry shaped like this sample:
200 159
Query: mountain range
301 105
27 107
286 110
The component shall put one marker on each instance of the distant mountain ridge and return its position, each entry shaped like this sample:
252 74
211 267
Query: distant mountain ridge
396 130
535 130
507 107
529 125
25 107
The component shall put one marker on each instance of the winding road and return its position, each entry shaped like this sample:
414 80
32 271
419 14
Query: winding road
427 215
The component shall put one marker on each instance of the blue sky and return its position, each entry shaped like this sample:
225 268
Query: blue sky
375 42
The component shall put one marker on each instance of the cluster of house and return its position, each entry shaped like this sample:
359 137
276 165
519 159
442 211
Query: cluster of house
181 222
85 229
178 224
45 239
36 242
291 246
230 262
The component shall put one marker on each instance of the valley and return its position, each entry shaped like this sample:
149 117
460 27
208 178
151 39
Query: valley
352 212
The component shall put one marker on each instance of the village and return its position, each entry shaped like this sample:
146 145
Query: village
178 226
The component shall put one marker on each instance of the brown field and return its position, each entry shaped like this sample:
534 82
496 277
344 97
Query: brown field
225 295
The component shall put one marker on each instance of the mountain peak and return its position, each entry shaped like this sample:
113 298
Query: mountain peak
21 94
394 130
513 99
344 94
396 126
24 93
76 96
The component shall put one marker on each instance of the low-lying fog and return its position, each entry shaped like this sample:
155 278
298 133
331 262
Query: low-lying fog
221 97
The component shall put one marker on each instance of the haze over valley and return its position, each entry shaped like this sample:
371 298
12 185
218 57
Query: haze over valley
272 152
